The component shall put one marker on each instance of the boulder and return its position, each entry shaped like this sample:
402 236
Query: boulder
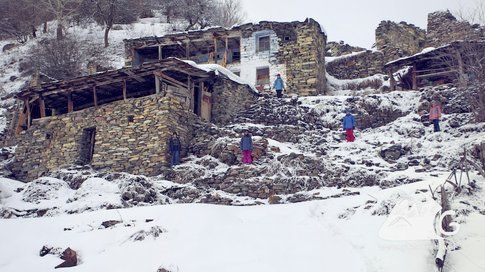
110 223
8 47
392 153
70 258
274 199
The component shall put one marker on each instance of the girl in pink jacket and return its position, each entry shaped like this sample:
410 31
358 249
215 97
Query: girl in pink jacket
435 115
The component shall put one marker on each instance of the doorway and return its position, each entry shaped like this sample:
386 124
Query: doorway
86 148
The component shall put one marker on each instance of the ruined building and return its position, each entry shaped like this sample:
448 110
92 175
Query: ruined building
121 120
256 52
396 40
444 28
449 51
459 62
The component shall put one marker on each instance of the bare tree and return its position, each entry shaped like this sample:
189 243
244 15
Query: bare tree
61 10
20 19
473 14
198 13
110 12
58 59
170 8
229 13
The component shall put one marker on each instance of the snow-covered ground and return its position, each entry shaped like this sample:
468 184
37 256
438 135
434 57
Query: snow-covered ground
338 234
337 231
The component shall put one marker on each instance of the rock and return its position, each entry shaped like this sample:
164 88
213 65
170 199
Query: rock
110 223
402 166
8 46
141 235
44 251
413 163
13 78
392 153
274 199
70 258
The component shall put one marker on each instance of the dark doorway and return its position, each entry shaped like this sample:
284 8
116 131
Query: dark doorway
86 149
197 100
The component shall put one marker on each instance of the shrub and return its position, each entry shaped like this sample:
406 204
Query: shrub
57 59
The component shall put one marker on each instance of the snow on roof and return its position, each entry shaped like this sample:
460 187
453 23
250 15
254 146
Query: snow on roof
218 69
428 50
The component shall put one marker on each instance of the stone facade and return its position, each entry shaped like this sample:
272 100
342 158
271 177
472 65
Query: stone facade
359 65
229 99
302 50
397 40
444 28
130 136
296 51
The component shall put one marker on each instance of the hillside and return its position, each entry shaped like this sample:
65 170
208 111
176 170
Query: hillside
310 202
302 157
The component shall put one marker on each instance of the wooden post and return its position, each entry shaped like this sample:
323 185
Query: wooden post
21 120
226 52
70 103
157 84
393 81
215 50
187 50
160 52
191 93
415 79
124 89
42 106
95 97
445 206
461 71
29 115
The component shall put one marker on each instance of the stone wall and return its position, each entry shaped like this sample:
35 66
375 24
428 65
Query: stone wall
229 99
304 57
130 137
337 49
357 65
444 28
397 40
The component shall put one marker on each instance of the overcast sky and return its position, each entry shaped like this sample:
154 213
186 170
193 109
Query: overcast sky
353 21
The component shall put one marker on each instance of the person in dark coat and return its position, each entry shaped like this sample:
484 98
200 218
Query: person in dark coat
349 126
174 147
279 86
247 148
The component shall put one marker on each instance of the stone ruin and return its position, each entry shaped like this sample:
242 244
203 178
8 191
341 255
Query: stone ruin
396 40
444 28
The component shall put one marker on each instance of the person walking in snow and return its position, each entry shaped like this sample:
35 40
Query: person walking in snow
435 115
247 148
174 146
349 126
279 86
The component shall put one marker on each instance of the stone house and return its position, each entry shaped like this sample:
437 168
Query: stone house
121 120
256 52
